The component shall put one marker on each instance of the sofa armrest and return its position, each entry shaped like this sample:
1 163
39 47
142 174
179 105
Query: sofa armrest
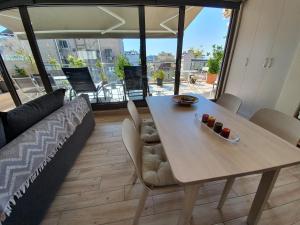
86 97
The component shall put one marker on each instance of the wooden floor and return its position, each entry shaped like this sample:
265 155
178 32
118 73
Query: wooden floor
6 102
98 191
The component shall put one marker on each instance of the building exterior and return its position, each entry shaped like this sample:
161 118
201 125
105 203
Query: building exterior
190 62
133 57
58 50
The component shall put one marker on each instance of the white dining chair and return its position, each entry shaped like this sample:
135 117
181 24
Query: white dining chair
230 102
282 125
150 163
146 128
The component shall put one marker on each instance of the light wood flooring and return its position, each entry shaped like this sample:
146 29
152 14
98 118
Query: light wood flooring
98 191
6 102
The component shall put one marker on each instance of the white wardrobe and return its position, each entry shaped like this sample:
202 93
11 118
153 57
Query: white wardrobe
268 38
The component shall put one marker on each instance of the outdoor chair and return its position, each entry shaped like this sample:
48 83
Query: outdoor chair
230 102
81 82
115 90
150 163
28 86
278 123
146 128
133 82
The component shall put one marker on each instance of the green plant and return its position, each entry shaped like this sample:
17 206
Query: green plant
213 66
159 74
121 61
22 52
98 64
53 62
75 61
28 58
103 76
21 72
214 62
198 53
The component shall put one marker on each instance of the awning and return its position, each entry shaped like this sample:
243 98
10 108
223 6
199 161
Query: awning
97 21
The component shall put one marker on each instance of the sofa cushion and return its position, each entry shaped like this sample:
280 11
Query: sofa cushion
156 168
23 117
149 132
2 135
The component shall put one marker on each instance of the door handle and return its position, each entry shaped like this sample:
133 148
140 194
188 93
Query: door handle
247 61
266 62
270 63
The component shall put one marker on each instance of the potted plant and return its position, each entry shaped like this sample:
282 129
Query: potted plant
214 64
20 72
102 74
103 77
75 61
193 79
28 58
159 76
121 61
53 62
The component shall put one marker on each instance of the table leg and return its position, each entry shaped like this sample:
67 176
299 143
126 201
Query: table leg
226 191
264 190
190 196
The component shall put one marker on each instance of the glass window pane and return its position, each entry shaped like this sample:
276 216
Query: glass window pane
17 56
204 40
161 43
103 39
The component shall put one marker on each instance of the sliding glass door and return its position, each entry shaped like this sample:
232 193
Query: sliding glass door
104 39
203 50
161 45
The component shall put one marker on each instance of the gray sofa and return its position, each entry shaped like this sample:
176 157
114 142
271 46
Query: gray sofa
32 206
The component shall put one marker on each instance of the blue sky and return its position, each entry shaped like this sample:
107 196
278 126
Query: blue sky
208 28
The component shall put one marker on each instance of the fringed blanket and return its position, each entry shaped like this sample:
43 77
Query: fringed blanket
24 158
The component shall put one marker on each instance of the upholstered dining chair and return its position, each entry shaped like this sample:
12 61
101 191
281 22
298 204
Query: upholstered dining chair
146 128
150 162
230 102
284 126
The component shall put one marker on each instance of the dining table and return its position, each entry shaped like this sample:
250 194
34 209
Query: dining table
197 155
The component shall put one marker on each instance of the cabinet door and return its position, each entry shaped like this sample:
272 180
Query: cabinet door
246 35
262 45
283 51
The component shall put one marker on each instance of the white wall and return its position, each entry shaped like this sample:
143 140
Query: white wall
289 99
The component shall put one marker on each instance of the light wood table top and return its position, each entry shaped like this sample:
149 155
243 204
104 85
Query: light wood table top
196 154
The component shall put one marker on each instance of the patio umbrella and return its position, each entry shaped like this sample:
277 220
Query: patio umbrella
97 21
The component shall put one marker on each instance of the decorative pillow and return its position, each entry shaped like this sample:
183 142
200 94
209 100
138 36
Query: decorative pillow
149 132
156 168
2 135
21 118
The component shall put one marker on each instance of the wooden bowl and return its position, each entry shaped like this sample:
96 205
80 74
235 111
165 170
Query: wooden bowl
185 99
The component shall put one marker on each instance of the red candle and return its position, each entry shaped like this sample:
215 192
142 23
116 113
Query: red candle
205 118
211 121
225 132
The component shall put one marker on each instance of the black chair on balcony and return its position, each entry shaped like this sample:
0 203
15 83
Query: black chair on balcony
133 82
81 82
